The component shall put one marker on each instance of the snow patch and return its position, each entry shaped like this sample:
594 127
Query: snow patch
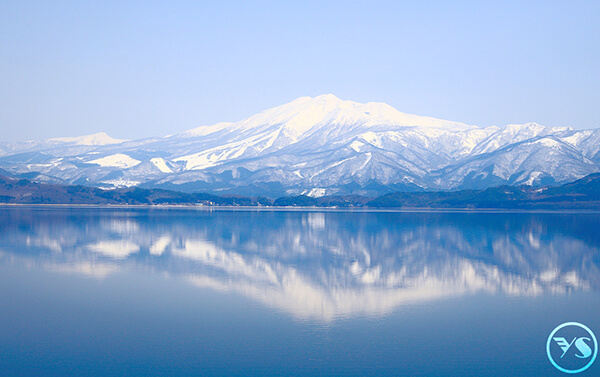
532 177
121 182
547 142
200 161
161 165
317 192
356 145
118 160
371 138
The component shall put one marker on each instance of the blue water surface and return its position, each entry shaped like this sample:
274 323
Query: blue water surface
195 292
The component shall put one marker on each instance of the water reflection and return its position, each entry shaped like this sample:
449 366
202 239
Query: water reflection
316 265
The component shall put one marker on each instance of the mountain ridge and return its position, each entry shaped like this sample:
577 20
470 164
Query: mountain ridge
318 146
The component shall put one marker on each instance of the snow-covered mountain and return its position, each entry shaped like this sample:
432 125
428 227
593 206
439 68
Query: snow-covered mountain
317 146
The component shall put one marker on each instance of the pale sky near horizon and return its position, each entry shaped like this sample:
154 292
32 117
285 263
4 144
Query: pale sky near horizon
137 69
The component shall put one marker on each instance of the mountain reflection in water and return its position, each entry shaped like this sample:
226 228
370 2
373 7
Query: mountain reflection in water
319 265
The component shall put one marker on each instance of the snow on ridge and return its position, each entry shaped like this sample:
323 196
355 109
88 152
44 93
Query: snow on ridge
206 130
100 138
229 151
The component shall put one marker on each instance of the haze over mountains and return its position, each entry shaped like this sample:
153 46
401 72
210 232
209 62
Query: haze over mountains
317 146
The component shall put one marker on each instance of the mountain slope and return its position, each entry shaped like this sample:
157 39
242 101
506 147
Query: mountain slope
24 191
581 194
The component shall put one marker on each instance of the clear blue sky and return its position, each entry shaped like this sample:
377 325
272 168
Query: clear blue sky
152 68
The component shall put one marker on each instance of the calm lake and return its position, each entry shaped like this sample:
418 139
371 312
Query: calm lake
181 292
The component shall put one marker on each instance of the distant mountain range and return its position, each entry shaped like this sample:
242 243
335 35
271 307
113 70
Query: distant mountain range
581 194
317 147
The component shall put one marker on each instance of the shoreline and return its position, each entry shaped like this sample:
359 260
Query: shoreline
302 208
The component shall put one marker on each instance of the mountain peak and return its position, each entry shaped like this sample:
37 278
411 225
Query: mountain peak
307 113
100 138
326 97
304 113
